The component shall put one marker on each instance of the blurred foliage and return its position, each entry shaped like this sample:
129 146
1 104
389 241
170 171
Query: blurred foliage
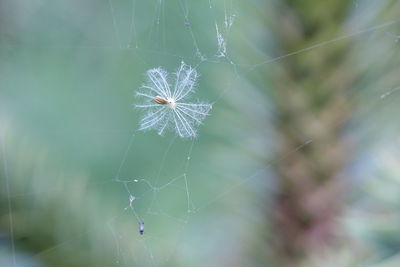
303 134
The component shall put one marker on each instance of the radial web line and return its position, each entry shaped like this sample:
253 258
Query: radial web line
340 38
117 36
268 165
133 27
125 155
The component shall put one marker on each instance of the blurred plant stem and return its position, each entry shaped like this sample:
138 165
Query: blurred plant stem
312 92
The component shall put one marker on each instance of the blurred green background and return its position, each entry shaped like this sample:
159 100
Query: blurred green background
297 165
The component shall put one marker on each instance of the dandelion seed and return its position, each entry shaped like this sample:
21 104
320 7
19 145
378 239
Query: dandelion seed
165 107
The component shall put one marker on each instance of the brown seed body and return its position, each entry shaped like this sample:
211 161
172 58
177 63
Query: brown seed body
160 100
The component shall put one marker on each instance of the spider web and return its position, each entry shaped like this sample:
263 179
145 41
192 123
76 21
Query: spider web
175 187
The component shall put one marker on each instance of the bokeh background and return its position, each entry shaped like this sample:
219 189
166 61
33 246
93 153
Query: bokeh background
297 165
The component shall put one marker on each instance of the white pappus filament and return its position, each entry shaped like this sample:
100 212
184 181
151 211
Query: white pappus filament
164 105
